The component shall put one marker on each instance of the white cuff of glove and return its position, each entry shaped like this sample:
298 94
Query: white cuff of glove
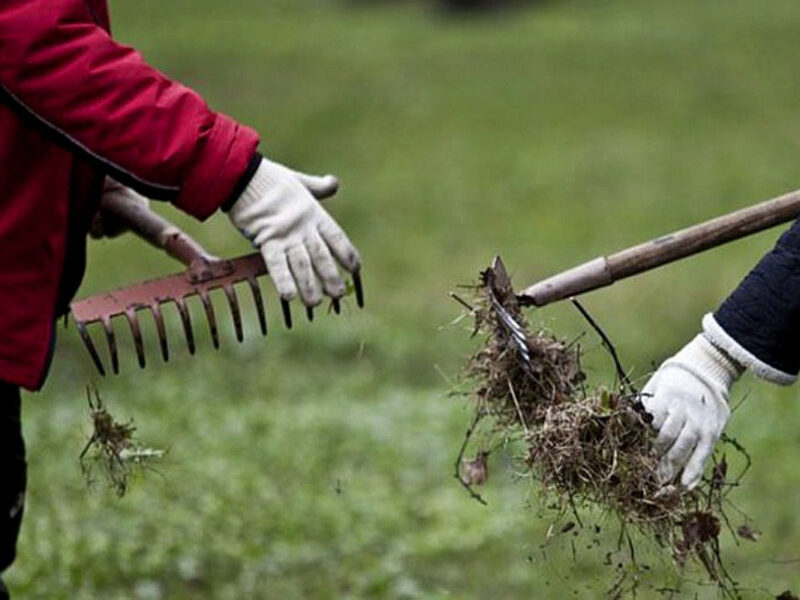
706 361
720 338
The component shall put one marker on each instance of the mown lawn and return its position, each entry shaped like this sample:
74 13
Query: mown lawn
318 463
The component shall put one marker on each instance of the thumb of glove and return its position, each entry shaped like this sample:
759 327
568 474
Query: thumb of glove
320 186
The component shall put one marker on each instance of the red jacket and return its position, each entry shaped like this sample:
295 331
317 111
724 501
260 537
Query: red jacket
75 106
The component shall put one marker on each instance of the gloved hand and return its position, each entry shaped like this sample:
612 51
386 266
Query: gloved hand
299 240
105 224
688 399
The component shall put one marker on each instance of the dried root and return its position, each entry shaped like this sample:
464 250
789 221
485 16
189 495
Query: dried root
112 448
586 446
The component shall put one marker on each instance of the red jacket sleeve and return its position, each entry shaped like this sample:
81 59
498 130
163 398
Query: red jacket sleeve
60 67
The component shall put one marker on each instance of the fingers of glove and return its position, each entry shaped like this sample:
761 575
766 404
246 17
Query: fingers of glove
693 471
325 267
278 269
321 187
303 272
677 456
340 245
668 433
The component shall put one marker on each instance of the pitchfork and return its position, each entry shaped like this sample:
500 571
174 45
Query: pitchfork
204 273
606 270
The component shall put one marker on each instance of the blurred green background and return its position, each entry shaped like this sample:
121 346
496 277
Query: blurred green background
318 463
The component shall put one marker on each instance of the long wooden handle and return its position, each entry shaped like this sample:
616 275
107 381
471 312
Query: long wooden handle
157 231
606 270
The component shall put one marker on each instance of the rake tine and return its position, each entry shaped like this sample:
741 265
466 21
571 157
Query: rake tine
337 307
310 313
287 313
112 344
233 302
359 289
212 320
87 340
187 323
136 331
259 302
162 331
514 329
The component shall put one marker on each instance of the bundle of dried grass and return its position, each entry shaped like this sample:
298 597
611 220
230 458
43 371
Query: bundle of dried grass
112 448
586 446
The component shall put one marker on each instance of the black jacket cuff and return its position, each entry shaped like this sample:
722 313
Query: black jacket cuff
763 313
252 167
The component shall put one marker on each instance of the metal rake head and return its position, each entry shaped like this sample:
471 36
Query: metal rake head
199 281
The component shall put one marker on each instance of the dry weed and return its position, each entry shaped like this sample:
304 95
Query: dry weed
586 446
112 448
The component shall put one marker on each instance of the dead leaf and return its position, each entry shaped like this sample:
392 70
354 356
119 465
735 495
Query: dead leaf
476 471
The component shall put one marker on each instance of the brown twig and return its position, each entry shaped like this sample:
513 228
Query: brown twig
623 376
460 459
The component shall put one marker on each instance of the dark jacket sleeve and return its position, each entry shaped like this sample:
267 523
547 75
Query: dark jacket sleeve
59 66
762 315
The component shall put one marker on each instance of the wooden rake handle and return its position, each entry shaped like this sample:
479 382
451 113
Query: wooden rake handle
605 270
157 231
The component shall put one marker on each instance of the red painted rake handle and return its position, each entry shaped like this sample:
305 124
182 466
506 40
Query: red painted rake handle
605 270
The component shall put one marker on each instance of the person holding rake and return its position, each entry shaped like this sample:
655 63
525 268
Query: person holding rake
83 117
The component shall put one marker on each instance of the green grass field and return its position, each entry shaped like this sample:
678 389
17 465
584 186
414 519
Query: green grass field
318 463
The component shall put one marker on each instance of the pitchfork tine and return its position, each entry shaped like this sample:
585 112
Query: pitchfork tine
287 313
112 344
259 302
233 302
162 331
359 289
187 323
136 331
87 340
212 320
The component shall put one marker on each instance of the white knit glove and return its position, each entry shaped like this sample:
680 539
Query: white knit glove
105 224
299 240
687 397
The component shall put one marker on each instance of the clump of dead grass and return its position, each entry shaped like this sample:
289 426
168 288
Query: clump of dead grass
112 449
586 446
